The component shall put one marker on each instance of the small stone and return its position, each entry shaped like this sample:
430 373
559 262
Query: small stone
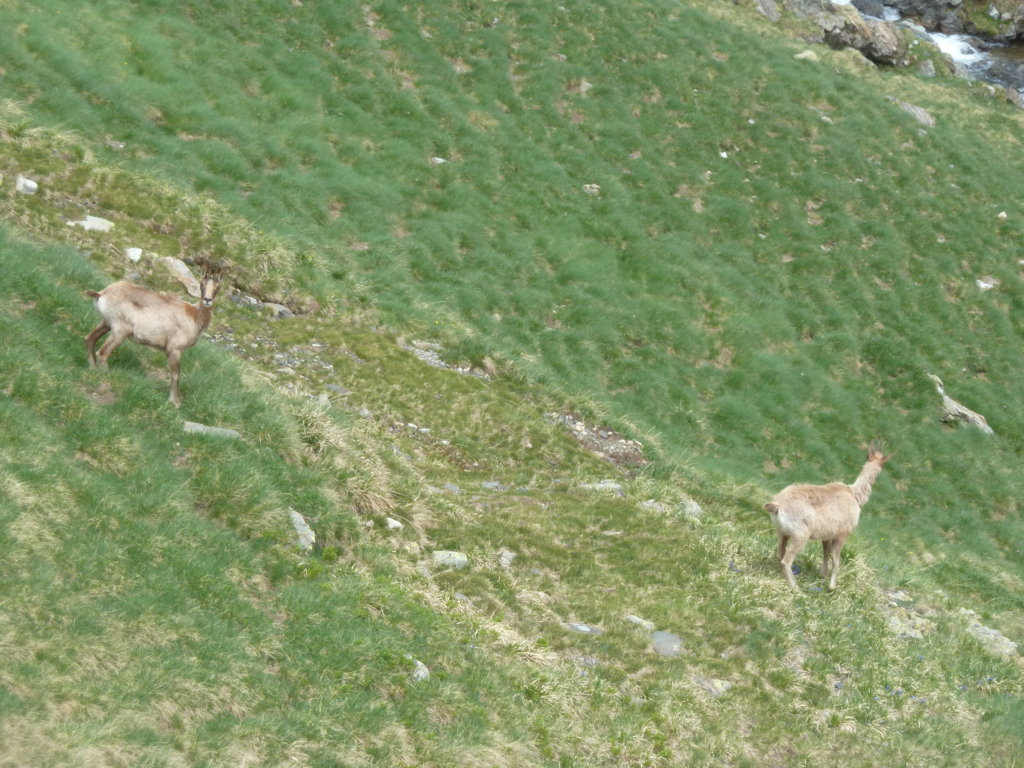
586 629
93 224
277 311
179 269
202 429
667 643
337 389
604 485
451 559
452 488
305 535
392 524
133 254
642 623
691 508
713 686
25 185
420 671
653 505
505 558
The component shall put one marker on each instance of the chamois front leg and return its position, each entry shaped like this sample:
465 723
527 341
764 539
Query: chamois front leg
174 364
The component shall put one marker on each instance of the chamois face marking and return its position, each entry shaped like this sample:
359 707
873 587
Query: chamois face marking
208 288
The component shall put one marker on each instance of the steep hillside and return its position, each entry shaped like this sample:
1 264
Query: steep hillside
513 239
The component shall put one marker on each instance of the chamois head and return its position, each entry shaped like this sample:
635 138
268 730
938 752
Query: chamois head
875 453
209 282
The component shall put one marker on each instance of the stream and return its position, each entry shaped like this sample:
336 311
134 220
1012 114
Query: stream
999 64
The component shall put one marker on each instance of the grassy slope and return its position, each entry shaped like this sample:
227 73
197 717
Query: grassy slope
753 316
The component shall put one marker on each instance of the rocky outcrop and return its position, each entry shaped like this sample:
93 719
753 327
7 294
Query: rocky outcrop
934 15
843 26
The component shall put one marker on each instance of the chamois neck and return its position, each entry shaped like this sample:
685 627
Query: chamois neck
861 487
203 315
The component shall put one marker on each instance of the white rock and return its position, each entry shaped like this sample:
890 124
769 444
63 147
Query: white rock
183 274
93 224
305 535
393 524
642 623
451 559
604 485
667 643
713 685
437 161
133 254
505 558
202 429
25 185
420 671
586 629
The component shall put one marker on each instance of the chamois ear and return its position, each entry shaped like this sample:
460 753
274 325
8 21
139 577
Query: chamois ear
876 452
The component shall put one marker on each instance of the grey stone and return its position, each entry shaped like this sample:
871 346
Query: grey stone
451 559
93 224
202 429
604 485
182 274
25 185
642 623
713 685
277 311
420 671
585 629
304 534
667 643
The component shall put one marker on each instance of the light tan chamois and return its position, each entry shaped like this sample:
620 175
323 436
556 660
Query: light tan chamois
825 513
160 320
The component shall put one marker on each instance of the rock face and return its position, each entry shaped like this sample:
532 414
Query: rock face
933 15
843 26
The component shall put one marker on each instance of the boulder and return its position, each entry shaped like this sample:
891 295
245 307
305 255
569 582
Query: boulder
843 26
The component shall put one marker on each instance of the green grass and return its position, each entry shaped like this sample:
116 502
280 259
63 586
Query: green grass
775 259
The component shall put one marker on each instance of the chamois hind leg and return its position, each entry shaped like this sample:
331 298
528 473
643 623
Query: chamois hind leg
112 343
825 549
835 547
95 335
795 545
783 538
174 364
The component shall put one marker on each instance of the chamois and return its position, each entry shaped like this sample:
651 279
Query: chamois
825 513
158 320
